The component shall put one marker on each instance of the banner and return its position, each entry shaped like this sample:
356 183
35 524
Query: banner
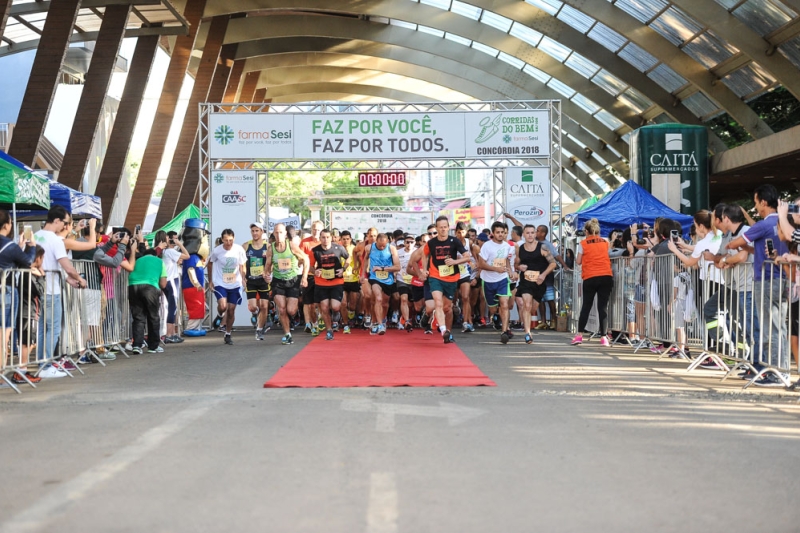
358 222
405 136
528 195
290 221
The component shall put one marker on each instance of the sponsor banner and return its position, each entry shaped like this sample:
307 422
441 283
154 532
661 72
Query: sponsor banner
334 136
462 215
528 194
358 222
234 205
290 221
507 134
250 136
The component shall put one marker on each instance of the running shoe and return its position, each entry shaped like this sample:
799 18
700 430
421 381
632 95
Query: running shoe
604 341
428 330
65 365
709 364
159 349
482 322
395 317
335 326
504 337
528 338
218 321
287 339
314 331
577 339
254 319
19 380
136 350
308 327
367 321
382 329
320 323
510 334
542 325
351 315
228 339
223 329
657 348
447 336
108 356
346 330
85 359
496 322
329 335
409 327
401 327
170 339
770 380
52 372
259 334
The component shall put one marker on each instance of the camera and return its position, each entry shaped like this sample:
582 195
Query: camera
674 235
580 233
794 209
641 242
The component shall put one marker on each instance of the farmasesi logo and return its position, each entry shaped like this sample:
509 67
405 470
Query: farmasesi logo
223 134
673 142
219 178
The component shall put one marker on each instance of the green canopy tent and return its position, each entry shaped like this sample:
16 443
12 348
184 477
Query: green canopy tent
176 224
21 187
589 202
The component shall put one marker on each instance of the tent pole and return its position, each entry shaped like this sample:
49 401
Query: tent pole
14 215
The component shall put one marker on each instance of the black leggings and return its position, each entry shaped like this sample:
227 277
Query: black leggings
602 287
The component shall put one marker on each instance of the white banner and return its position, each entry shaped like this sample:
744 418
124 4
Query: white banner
528 194
290 221
333 136
358 222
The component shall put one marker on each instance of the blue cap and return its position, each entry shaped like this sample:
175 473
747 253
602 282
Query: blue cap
483 237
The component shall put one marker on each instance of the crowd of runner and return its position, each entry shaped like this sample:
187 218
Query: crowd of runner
330 283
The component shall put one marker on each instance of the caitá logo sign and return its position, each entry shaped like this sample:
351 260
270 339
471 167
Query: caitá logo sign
673 142
223 134
234 198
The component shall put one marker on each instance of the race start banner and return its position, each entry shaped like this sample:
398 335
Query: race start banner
528 195
358 222
436 135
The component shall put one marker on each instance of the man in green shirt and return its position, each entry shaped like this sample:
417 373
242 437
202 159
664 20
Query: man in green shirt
145 282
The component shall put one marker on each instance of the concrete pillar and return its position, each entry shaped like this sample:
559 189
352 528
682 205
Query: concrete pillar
188 134
119 141
90 107
42 84
154 151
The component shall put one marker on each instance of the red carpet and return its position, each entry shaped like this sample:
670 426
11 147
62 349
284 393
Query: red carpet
396 359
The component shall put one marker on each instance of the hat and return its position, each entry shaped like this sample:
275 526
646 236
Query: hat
258 225
483 237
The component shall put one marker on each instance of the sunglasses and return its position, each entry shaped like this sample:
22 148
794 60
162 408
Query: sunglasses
433 234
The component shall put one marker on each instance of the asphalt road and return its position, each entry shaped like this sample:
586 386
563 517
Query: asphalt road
572 439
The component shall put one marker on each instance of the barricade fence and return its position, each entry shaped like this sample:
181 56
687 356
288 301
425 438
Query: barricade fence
733 318
45 320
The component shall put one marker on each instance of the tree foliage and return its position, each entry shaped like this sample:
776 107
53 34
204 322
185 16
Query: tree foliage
778 109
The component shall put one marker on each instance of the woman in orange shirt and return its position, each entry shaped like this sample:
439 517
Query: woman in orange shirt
598 280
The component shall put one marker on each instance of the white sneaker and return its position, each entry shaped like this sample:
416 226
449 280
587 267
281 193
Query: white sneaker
52 372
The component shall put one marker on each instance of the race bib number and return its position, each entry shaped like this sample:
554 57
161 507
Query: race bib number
349 276
463 269
328 273
407 278
229 277
382 274
446 270
284 264
499 263
256 267
531 275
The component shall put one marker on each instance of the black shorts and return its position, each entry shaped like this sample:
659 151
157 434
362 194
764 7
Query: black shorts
534 289
463 280
257 286
352 286
290 288
403 288
388 290
331 292
417 293
308 292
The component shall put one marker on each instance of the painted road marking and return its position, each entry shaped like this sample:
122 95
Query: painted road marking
387 412
382 509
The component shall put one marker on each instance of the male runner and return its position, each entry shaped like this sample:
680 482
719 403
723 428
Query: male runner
352 288
442 273
534 262
550 291
328 278
464 286
257 287
360 261
309 307
496 271
226 270
404 281
287 279
381 265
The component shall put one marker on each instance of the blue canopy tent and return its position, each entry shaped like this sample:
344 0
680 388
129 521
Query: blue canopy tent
627 204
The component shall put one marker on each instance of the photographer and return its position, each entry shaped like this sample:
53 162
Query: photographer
172 252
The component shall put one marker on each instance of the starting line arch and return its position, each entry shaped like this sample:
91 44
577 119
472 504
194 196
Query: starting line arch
519 140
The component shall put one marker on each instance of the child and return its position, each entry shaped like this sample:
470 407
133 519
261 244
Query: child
31 288
681 284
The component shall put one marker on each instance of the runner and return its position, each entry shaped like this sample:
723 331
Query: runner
496 273
286 276
226 270
329 258
441 272
534 262
257 287
382 263
309 307
404 282
474 285
360 264
464 286
352 288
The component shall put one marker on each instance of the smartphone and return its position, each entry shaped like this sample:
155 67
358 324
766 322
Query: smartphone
674 235
770 247
27 232
137 229
651 233
794 209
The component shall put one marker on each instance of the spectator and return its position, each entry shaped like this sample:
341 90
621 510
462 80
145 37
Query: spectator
597 277
11 256
172 253
31 290
92 301
145 283
56 265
